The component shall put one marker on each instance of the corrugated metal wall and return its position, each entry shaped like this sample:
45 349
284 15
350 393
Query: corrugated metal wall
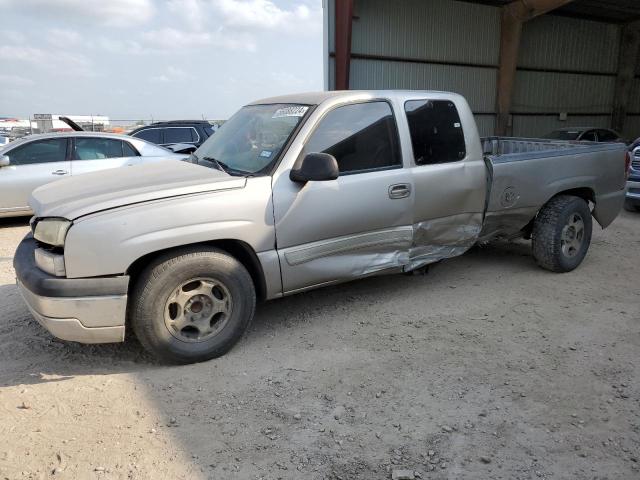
429 30
434 42
566 65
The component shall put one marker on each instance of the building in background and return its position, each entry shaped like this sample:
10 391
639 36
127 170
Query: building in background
526 67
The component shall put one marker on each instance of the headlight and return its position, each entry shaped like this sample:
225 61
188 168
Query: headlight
52 231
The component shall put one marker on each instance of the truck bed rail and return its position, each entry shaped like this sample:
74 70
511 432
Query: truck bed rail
506 145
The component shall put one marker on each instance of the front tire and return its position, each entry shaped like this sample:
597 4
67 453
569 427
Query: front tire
562 233
192 305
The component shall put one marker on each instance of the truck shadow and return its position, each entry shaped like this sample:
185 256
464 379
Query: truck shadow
31 355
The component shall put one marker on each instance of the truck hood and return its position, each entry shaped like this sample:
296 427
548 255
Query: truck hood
75 197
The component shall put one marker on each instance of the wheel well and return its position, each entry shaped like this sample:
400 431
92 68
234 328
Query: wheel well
585 193
240 250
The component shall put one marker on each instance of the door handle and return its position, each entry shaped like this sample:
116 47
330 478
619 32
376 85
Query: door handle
60 172
399 190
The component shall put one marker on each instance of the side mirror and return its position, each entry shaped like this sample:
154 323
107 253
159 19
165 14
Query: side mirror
4 161
315 167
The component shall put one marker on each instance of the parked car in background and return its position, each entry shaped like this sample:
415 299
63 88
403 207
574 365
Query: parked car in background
294 193
35 160
585 134
633 185
189 132
4 140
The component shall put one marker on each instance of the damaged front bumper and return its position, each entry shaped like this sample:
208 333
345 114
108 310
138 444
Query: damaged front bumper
86 310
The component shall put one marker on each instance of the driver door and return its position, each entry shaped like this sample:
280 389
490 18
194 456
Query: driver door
358 224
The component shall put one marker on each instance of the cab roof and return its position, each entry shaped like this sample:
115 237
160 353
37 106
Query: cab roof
316 98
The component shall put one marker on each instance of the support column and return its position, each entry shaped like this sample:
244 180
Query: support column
343 27
510 34
513 17
627 63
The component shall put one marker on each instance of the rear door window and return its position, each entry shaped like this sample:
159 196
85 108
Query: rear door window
607 136
362 137
152 135
589 136
97 148
41 151
436 131
180 135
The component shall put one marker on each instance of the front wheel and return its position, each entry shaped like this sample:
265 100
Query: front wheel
562 233
192 305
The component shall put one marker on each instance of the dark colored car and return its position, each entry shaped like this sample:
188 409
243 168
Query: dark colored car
184 132
590 134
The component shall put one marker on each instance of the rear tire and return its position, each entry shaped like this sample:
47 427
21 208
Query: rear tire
192 305
562 233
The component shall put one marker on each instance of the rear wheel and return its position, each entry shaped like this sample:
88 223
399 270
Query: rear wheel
562 233
192 305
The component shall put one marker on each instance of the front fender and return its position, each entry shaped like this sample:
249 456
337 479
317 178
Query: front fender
108 243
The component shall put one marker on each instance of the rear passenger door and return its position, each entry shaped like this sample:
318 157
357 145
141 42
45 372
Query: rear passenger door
450 181
90 154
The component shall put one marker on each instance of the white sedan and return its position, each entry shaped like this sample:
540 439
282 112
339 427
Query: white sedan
31 161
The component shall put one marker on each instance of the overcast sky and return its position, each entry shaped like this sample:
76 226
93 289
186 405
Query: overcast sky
135 59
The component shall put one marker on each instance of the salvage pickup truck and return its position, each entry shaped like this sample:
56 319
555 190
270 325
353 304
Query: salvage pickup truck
293 193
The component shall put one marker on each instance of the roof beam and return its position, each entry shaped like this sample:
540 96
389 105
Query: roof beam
524 10
511 21
343 27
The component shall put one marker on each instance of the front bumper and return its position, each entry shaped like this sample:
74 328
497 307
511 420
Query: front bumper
86 310
633 192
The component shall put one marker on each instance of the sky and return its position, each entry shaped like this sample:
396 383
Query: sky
161 59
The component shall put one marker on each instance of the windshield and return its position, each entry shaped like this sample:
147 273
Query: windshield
251 140
564 135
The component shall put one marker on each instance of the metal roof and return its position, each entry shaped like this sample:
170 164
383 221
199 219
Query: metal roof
611 11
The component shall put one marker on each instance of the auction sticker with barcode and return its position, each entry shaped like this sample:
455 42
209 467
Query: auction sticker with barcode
293 111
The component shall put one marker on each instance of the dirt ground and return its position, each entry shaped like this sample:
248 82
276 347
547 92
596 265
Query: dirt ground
486 367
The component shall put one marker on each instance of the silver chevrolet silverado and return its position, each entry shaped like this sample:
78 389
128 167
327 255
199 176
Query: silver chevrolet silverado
294 193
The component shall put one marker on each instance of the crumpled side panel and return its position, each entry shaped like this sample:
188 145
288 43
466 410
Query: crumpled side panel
442 238
345 258
403 248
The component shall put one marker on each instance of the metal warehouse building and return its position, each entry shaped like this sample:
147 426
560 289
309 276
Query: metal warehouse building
525 66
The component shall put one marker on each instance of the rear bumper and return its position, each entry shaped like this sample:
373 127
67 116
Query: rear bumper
88 310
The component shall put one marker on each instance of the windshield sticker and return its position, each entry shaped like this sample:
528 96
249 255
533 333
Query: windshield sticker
297 111
266 153
456 125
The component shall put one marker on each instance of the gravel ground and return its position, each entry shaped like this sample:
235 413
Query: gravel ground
486 367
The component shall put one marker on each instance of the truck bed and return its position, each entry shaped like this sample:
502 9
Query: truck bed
524 173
